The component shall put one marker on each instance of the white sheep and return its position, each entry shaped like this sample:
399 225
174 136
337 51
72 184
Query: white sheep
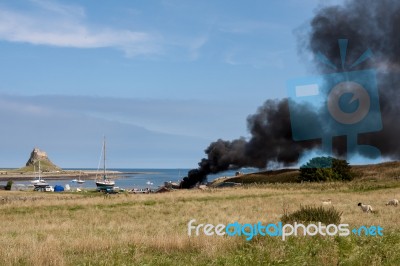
393 202
327 202
365 208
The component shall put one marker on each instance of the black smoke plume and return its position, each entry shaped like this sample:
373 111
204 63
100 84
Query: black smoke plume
373 25
271 141
368 24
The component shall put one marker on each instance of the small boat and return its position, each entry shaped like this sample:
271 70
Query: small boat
104 182
80 181
39 181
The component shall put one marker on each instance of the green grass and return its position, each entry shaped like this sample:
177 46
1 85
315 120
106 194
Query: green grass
308 214
130 229
45 166
261 251
375 172
280 176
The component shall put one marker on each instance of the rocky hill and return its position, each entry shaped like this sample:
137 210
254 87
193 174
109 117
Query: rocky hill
45 164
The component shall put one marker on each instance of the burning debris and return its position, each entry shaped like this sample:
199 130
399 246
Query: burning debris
367 25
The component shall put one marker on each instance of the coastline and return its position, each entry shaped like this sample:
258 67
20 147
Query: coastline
13 175
124 178
66 174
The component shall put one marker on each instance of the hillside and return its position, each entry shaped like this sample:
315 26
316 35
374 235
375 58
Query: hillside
37 156
371 172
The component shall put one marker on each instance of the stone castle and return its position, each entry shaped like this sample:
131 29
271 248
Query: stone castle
39 153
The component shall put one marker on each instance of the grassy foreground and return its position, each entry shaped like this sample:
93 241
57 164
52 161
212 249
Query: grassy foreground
89 229
127 229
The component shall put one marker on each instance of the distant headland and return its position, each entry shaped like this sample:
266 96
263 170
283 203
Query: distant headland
47 169
37 156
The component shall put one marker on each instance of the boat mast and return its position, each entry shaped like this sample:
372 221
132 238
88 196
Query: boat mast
104 164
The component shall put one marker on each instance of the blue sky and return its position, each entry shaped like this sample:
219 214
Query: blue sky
161 79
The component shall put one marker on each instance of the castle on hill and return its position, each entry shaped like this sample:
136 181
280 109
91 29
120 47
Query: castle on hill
36 155
40 155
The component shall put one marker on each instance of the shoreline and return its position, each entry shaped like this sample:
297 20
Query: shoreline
90 175
62 175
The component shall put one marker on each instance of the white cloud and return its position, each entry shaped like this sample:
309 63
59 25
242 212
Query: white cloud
65 130
177 117
11 106
65 26
65 10
196 45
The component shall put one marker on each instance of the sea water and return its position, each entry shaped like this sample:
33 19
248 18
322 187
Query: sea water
137 178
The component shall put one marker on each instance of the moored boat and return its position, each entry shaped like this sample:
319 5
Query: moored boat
104 182
39 181
80 181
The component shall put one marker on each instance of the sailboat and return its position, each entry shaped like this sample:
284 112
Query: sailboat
39 181
105 182
80 181
34 181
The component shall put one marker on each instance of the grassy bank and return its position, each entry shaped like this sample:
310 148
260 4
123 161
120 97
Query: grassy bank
388 171
83 229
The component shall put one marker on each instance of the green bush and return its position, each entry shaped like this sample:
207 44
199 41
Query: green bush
9 185
308 214
325 169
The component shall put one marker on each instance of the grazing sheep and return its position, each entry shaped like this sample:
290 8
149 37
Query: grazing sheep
365 208
393 202
327 202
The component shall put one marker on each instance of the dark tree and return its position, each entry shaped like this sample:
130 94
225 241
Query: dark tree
325 169
9 185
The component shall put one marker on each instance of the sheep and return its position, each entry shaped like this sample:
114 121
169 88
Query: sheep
393 202
326 202
365 208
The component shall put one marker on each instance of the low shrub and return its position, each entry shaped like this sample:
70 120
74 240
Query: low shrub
308 214
325 169
9 185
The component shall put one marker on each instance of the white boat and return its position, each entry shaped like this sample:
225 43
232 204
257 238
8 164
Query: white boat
39 181
34 181
80 181
104 182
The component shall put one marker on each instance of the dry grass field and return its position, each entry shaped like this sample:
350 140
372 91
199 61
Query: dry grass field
128 229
